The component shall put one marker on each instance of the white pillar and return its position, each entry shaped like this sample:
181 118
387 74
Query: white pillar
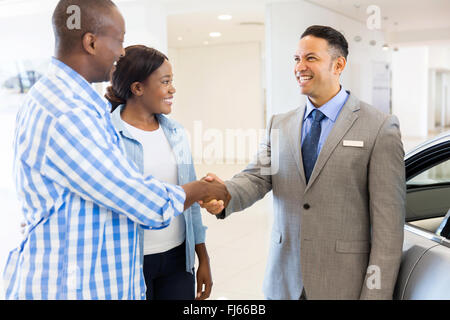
285 22
410 90
26 30
145 23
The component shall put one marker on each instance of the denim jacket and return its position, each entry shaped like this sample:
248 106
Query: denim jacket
195 230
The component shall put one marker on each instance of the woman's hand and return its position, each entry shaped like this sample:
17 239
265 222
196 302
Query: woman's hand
204 277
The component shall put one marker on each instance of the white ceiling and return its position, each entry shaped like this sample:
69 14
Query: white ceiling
401 20
408 14
194 28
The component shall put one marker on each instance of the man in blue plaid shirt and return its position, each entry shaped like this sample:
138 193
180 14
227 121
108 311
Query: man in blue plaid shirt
81 199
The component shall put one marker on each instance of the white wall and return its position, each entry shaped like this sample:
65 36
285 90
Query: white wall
26 37
439 57
285 22
146 23
410 90
220 86
439 65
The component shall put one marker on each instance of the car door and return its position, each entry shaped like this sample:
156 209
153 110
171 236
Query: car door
424 271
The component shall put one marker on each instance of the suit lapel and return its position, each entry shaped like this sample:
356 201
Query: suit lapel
294 133
343 123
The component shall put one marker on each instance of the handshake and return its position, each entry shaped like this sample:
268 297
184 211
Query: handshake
210 192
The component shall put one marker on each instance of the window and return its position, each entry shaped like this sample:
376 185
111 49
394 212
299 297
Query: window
428 198
436 175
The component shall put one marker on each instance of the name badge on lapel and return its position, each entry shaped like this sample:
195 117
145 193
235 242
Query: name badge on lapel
353 143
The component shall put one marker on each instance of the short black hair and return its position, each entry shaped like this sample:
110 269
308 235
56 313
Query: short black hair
91 18
335 39
138 63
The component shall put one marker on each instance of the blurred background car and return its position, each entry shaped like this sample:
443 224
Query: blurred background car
22 82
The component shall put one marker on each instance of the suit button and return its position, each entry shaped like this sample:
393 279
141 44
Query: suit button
306 206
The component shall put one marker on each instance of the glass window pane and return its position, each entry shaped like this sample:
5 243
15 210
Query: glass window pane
437 174
428 198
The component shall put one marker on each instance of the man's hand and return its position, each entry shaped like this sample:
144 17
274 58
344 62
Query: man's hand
216 187
206 190
214 206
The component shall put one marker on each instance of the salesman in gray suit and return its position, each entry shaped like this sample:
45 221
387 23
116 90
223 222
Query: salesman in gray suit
338 186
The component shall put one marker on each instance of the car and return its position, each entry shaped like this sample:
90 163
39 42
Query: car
22 82
425 268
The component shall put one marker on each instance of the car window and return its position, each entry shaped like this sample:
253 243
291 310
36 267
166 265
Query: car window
435 175
428 197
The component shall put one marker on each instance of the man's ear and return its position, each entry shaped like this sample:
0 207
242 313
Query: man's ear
339 65
89 42
137 89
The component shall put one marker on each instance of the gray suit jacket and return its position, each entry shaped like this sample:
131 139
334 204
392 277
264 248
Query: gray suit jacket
341 235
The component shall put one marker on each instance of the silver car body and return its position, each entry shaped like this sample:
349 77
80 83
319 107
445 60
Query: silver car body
425 270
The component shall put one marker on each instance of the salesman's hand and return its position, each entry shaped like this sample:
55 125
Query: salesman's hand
214 206
205 191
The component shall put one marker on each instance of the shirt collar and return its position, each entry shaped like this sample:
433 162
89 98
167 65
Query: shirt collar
118 122
330 109
80 87
164 122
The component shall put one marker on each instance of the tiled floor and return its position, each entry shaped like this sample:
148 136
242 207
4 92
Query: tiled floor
238 245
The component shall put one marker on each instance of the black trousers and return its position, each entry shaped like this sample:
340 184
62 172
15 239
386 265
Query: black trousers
166 277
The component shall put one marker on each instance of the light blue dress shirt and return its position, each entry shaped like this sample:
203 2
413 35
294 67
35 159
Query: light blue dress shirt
331 110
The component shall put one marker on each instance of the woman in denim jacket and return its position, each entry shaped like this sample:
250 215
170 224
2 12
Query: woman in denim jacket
141 95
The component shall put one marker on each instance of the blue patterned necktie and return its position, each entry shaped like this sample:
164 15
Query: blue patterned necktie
309 148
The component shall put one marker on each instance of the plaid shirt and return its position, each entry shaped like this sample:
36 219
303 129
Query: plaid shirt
82 199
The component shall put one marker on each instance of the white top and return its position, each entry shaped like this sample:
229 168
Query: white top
160 162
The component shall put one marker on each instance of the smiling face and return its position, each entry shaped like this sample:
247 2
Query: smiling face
156 93
92 48
109 44
317 69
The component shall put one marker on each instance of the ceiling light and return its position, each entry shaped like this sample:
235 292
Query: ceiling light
224 17
205 43
215 34
180 38
385 47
